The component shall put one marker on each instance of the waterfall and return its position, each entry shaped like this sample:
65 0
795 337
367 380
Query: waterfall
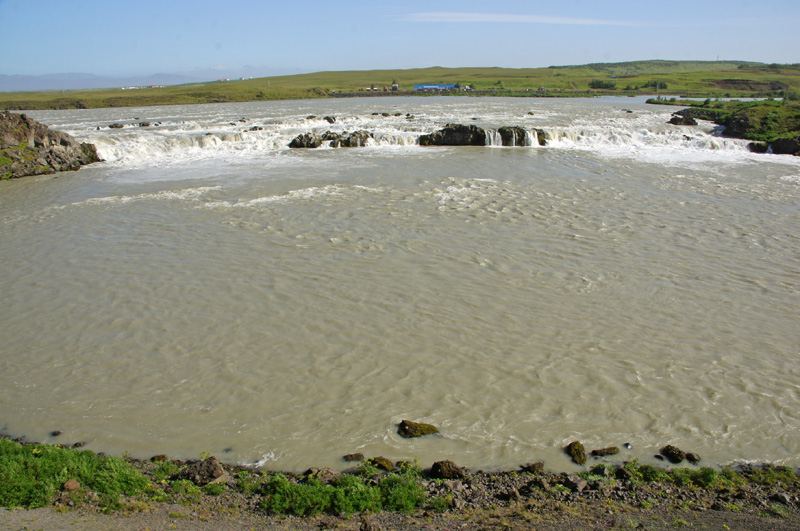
493 138
531 139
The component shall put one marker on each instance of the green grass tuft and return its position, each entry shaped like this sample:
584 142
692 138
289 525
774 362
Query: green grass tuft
30 475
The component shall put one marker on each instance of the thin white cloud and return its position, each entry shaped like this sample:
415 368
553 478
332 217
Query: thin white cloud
501 17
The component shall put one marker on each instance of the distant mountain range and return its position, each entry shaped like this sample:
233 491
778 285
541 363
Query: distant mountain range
17 83
74 81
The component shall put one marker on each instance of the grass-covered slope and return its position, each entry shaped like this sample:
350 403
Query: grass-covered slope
697 78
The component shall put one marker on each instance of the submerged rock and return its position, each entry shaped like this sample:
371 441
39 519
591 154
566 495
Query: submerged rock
693 458
409 429
576 451
349 458
611 450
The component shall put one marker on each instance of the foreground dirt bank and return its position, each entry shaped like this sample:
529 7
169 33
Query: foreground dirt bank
568 515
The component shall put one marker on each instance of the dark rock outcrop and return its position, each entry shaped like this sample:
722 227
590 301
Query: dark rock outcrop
354 139
409 429
28 147
758 147
512 136
330 119
679 119
786 146
455 135
313 140
306 140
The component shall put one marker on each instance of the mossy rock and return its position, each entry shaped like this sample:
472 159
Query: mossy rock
409 429
576 451
381 463
602 452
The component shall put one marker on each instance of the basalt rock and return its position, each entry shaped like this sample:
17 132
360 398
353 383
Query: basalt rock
203 472
534 468
306 140
380 462
455 135
786 146
447 470
673 453
678 119
603 452
512 136
355 139
576 451
28 147
409 429
330 119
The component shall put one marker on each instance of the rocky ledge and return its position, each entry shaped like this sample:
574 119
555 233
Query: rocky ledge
28 147
449 135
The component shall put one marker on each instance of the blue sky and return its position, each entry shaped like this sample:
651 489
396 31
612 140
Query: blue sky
140 37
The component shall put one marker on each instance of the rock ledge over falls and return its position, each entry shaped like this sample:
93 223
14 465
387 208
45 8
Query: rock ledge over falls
28 147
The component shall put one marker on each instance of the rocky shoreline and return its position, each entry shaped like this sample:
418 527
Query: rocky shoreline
209 494
28 147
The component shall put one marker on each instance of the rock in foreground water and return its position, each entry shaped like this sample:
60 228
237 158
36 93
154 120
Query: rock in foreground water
409 429
28 147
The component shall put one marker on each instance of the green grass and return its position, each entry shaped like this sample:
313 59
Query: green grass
31 475
347 494
697 78
768 120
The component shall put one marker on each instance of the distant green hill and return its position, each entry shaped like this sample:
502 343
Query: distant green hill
688 78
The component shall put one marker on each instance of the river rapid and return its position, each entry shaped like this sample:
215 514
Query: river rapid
209 289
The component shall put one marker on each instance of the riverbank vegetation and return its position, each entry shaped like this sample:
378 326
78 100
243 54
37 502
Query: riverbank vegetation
766 121
712 79
404 497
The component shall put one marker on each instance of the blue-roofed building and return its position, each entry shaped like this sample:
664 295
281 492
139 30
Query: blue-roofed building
434 87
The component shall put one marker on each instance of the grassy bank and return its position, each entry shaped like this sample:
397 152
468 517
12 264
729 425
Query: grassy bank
404 497
690 78
764 121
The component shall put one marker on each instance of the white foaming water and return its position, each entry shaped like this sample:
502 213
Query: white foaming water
210 289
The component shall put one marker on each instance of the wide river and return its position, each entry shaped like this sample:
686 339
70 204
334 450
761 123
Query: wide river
209 289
